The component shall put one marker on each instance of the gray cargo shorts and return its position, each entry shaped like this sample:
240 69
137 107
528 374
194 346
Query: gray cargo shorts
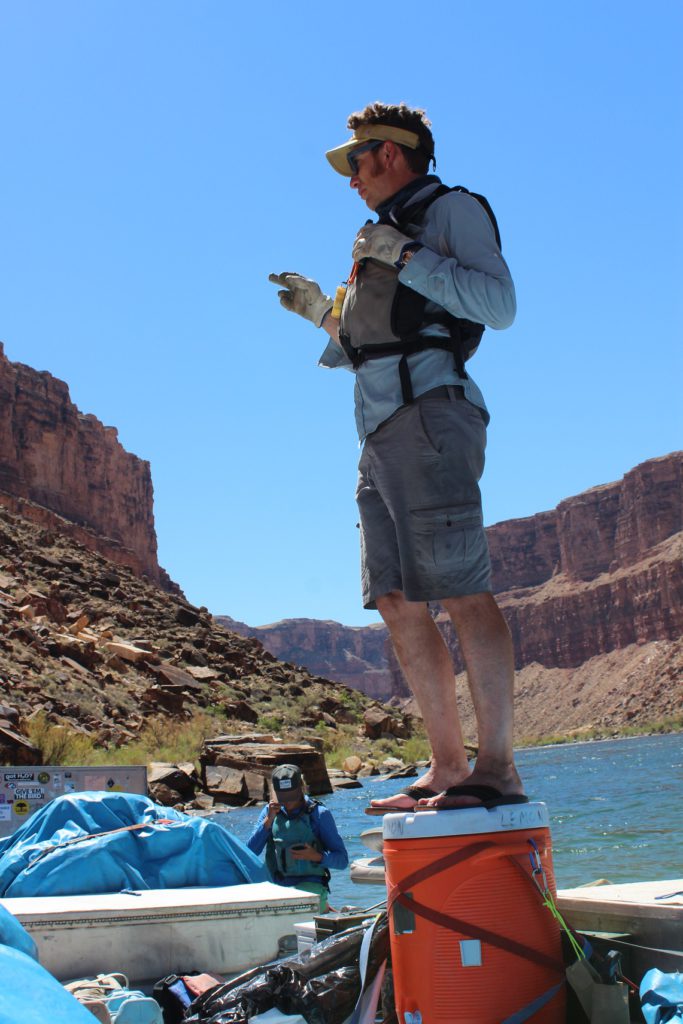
419 501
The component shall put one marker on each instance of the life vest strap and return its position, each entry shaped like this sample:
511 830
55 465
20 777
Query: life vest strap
405 348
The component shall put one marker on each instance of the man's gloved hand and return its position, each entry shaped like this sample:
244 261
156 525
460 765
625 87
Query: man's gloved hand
302 296
379 242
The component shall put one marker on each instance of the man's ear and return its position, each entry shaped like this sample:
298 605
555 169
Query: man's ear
395 157
389 150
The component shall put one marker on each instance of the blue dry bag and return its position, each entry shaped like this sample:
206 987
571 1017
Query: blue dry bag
661 997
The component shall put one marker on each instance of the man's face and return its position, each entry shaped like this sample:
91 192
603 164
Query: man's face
372 178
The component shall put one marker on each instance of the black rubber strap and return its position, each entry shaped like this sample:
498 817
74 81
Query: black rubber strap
449 861
454 924
399 893
532 1008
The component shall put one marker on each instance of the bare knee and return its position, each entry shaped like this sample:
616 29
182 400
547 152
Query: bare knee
391 606
476 611
398 612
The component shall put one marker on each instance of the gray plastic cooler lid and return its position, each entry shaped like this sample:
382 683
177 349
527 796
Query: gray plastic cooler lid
466 821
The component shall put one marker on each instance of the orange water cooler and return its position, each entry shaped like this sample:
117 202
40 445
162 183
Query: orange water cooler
471 941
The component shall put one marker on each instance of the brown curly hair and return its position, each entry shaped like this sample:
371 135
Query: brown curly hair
401 116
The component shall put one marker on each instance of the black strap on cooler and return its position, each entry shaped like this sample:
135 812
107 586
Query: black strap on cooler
532 1008
435 868
399 893
466 928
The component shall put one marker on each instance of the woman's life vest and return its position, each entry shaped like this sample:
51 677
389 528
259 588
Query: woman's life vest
382 317
286 833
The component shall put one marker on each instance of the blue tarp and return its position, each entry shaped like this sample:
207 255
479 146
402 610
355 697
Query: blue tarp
38 860
30 995
28 992
13 933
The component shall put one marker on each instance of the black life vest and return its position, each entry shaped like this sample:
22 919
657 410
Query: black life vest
398 312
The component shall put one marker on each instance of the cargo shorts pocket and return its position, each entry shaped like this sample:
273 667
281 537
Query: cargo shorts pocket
453 538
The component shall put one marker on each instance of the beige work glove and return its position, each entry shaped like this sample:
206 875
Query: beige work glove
302 296
379 242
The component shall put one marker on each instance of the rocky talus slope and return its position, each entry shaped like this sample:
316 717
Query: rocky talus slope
95 636
593 594
97 648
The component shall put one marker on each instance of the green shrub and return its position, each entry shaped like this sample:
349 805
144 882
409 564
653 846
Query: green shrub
58 744
415 749
160 740
269 723
336 756
673 723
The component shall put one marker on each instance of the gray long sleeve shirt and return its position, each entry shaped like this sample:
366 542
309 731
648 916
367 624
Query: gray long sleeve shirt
459 268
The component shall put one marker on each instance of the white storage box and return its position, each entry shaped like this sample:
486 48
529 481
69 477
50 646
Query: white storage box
305 935
156 932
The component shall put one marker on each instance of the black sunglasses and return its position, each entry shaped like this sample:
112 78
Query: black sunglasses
352 157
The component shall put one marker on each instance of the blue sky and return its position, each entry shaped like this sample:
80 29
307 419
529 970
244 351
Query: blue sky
161 158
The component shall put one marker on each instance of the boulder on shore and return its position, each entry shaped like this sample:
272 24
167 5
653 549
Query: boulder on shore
239 767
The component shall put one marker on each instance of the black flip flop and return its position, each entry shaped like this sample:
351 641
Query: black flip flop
414 792
488 797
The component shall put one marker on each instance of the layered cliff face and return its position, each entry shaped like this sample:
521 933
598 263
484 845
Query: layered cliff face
601 573
602 530
359 656
61 468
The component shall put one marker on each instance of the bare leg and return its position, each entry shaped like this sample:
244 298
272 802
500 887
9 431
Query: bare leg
486 647
427 666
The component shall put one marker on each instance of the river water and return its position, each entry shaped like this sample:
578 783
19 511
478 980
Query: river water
616 810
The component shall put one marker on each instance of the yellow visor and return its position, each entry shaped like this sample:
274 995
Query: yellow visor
368 133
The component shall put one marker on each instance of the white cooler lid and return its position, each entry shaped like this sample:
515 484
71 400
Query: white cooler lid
470 821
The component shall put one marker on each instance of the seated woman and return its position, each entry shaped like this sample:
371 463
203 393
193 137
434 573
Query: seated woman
299 835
